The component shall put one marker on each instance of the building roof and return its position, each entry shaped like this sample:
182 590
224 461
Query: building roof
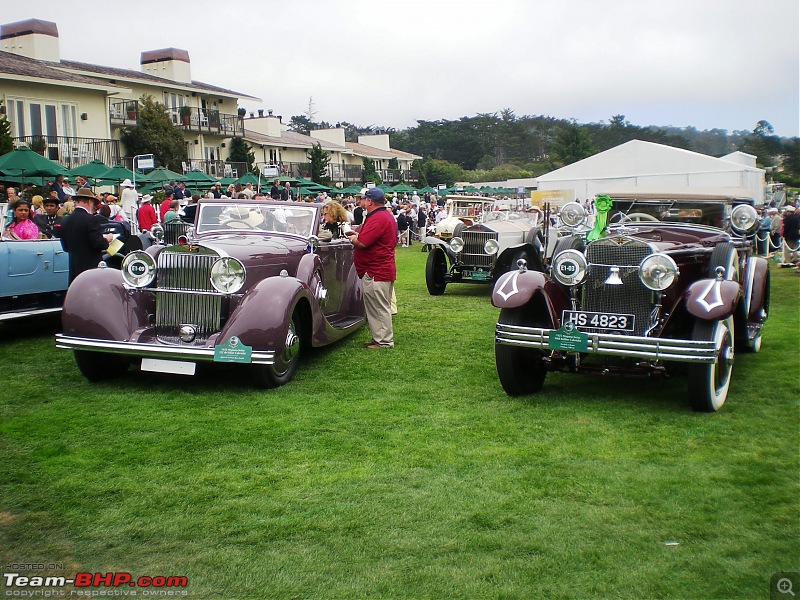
291 138
29 68
145 78
372 152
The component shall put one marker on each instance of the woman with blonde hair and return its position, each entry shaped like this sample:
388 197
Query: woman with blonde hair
36 206
334 222
66 209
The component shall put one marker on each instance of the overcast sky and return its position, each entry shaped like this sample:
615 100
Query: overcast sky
706 63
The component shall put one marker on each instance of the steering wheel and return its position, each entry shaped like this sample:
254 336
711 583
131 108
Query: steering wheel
637 216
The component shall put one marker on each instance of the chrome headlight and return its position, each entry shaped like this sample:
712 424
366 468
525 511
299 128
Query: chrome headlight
658 272
456 244
569 267
228 275
491 247
138 269
744 218
572 214
157 233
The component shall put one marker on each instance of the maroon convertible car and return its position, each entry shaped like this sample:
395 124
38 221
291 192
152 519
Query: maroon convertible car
250 283
671 279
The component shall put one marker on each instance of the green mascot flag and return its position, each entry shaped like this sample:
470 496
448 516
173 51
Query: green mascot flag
602 204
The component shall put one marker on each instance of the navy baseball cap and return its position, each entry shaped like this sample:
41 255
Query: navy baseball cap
375 194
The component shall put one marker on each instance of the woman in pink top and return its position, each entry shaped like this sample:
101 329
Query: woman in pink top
21 228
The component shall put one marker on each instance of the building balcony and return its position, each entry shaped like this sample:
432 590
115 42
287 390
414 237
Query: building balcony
124 113
209 121
71 152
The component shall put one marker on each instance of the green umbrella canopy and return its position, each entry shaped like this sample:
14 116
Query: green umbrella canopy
198 178
164 175
404 187
351 189
428 189
91 169
226 181
291 180
119 173
25 163
386 188
249 178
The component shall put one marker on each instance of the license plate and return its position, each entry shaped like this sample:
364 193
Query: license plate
475 275
598 320
176 367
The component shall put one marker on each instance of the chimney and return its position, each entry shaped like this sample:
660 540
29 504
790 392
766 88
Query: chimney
260 112
169 63
32 38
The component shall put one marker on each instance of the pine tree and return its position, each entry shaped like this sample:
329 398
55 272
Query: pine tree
6 141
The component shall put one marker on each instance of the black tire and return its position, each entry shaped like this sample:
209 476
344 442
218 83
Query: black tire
723 255
99 366
709 383
521 370
435 271
283 369
458 229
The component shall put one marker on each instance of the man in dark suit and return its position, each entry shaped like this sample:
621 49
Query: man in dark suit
81 236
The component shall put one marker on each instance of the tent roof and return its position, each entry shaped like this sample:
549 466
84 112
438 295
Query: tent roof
637 158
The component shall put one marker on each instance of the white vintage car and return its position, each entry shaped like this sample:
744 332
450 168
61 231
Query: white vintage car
462 209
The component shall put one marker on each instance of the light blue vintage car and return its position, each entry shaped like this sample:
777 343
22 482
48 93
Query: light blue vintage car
34 275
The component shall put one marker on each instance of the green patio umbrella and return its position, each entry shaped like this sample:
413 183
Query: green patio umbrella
164 175
386 188
226 181
119 173
197 178
351 189
91 169
26 164
248 178
428 189
404 188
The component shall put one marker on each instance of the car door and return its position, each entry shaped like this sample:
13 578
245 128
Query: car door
337 261
32 267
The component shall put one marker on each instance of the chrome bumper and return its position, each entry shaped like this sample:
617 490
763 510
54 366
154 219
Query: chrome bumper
186 353
610 344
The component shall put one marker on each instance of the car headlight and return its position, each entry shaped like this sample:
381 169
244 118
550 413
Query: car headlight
569 267
744 218
228 275
572 214
456 244
491 247
157 233
658 272
138 269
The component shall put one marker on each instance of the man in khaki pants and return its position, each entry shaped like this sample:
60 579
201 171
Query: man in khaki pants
374 260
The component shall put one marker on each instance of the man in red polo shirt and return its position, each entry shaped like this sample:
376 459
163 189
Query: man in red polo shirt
374 259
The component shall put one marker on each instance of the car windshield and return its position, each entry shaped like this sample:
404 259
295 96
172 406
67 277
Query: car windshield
671 211
468 209
241 218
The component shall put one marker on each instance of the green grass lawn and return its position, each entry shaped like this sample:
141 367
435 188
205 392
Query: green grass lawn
406 473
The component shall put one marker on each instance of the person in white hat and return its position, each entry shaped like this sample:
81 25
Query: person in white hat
129 199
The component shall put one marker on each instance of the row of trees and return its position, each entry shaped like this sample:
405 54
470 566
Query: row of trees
498 146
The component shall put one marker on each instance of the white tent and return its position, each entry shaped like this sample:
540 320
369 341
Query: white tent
648 167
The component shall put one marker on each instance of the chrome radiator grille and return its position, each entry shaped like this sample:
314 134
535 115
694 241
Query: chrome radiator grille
473 254
629 298
179 274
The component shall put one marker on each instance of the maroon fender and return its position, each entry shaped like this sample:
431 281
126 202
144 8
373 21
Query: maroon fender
115 314
712 299
759 290
261 318
516 288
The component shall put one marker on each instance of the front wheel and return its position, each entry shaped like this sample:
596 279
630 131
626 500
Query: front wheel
709 383
98 366
521 370
436 271
282 370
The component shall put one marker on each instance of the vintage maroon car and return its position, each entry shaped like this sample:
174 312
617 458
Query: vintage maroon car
671 279
249 283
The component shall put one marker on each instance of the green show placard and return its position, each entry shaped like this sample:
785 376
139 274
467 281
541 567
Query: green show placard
232 351
568 338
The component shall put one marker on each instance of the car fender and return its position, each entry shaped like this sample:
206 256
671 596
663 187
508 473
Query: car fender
712 299
261 319
757 290
115 312
516 288
434 241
